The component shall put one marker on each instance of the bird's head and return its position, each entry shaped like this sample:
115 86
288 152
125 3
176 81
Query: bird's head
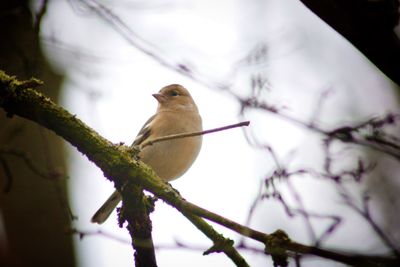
175 97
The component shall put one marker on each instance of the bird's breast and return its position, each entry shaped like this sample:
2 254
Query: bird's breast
172 158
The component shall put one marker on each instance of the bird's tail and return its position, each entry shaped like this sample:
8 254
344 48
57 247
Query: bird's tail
107 208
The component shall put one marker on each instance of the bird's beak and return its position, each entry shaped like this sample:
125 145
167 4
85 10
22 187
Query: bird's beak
160 98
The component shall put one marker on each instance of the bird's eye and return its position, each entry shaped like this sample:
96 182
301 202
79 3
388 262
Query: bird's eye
174 93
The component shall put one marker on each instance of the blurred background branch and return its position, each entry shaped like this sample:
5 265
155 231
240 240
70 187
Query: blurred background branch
115 164
322 154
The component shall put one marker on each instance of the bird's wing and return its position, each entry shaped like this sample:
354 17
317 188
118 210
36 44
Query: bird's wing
144 133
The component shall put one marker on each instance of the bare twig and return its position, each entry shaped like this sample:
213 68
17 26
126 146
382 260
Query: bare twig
364 211
221 244
119 166
280 173
30 164
319 106
176 245
51 173
52 169
82 234
185 135
346 134
149 49
302 211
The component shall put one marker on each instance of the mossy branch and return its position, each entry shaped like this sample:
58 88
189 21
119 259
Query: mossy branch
114 160
119 166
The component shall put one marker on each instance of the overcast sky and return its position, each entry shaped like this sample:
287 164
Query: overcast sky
109 84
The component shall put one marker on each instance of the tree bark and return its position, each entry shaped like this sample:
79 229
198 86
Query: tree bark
33 212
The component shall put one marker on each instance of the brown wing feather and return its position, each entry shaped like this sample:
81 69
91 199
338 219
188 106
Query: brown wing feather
144 132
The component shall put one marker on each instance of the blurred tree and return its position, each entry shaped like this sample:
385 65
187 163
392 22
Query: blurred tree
368 25
34 213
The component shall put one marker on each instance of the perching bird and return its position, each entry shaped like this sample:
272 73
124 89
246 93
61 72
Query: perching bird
176 113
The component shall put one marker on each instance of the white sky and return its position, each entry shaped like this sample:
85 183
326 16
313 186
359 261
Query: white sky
304 58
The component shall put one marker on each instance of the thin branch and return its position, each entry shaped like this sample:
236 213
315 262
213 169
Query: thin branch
82 234
30 164
55 173
134 39
320 104
221 244
281 172
51 174
119 166
364 211
176 245
185 135
302 211
116 161
347 134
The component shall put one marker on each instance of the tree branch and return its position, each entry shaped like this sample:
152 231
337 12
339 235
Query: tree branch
134 39
221 244
119 166
185 135
29 163
346 134
115 161
136 209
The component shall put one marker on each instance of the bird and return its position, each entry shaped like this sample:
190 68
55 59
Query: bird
176 113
